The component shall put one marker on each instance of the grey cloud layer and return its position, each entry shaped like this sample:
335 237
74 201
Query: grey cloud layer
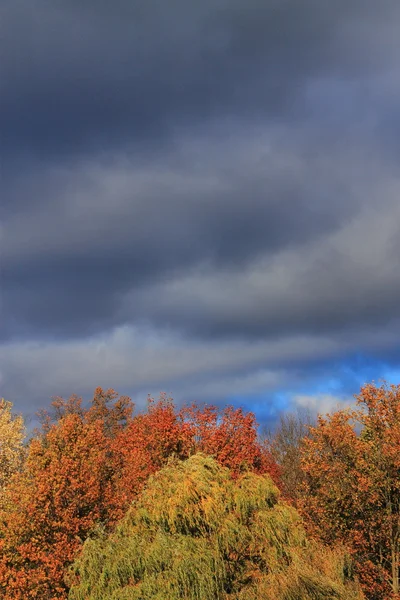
252 239
139 361
93 74
225 172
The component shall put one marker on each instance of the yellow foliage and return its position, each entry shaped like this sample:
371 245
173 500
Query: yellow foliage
197 534
12 435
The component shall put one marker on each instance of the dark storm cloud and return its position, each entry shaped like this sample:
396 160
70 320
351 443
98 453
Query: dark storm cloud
101 231
344 281
77 76
205 190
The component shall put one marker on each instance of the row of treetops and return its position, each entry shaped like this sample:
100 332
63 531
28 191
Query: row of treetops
311 510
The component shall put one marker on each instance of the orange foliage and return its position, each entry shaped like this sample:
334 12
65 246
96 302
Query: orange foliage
85 467
352 495
231 438
66 487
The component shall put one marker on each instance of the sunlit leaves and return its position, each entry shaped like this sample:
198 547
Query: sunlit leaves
352 494
87 464
12 435
65 488
197 533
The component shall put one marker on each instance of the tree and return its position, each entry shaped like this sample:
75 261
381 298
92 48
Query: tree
231 437
285 444
67 486
148 441
197 532
12 435
352 493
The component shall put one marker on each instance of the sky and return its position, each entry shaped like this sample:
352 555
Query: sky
199 198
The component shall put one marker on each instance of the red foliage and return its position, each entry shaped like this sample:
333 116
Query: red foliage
230 437
147 442
87 465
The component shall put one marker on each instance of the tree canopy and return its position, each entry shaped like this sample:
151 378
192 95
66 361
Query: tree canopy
197 533
86 465
12 436
352 494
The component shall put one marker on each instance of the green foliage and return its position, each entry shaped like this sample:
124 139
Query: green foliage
196 533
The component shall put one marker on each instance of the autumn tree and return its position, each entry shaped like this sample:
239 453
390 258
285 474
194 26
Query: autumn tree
230 435
12 435
151 437
352 494
197 532
66 487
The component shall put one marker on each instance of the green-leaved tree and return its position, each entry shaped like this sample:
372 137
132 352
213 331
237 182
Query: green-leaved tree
196 533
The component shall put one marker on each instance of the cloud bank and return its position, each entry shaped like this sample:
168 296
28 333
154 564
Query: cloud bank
200 198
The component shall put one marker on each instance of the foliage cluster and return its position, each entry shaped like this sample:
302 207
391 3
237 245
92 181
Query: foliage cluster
197 533
106 502
351 461
86 465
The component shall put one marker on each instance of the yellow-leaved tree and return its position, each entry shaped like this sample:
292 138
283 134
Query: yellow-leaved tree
12 435
196 532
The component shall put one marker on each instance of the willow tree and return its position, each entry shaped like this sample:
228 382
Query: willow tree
197 533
